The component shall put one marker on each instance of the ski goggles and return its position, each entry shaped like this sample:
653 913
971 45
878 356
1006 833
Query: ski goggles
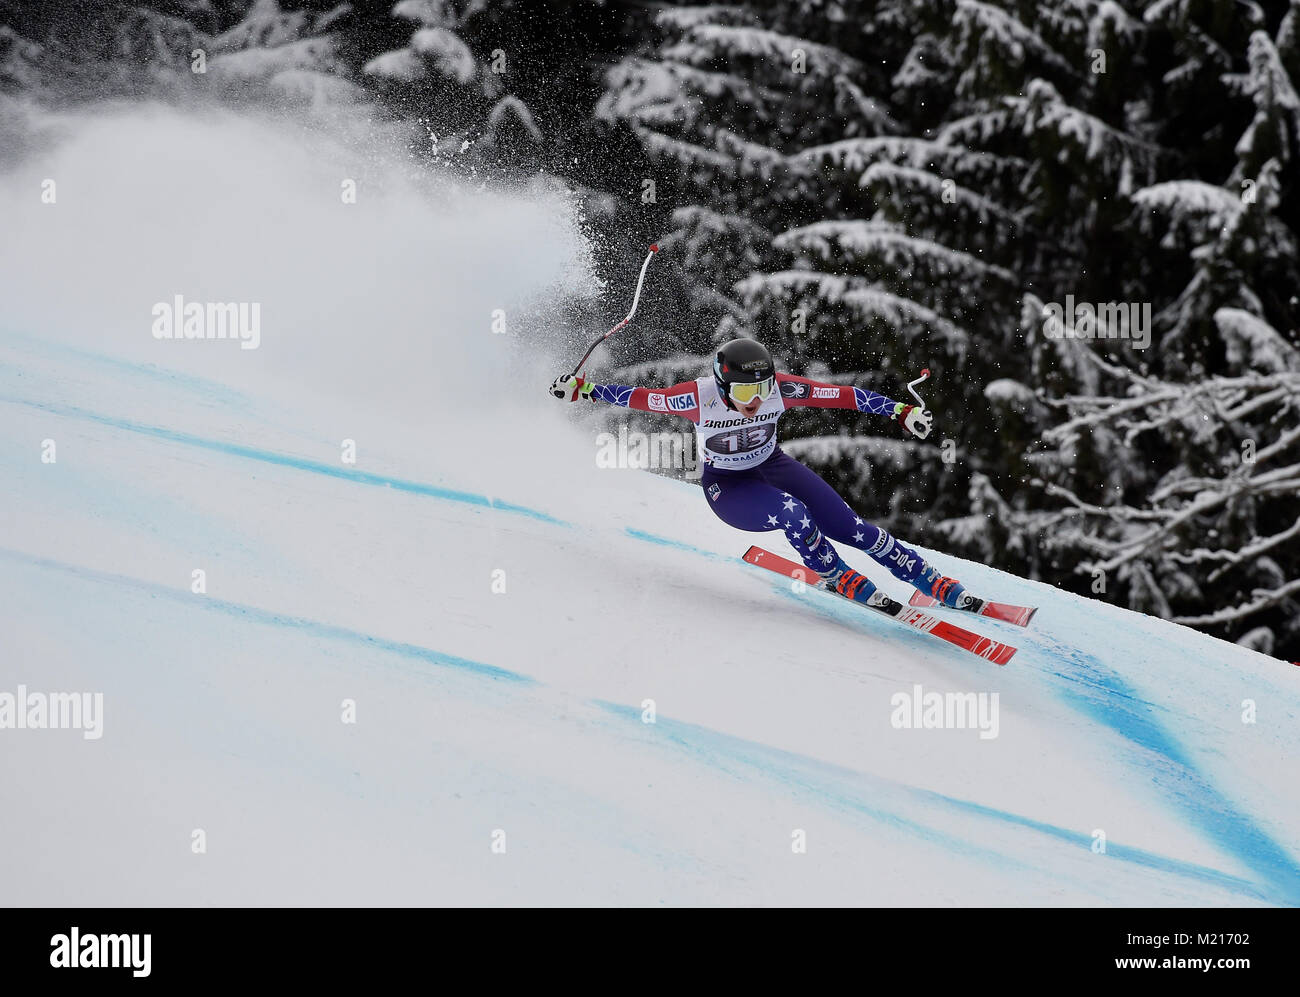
743 394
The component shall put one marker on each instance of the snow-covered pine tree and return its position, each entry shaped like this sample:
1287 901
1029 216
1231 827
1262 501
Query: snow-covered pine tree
1003 189
1196 517
1203 530
503 85
717 103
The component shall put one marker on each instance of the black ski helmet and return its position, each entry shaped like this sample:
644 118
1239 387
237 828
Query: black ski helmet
741 361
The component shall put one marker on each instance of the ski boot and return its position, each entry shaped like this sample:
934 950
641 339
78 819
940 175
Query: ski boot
856 587
948 591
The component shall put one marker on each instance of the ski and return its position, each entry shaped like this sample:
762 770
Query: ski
1004 611
967 640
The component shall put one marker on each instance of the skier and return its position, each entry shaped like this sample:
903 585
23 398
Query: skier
754 486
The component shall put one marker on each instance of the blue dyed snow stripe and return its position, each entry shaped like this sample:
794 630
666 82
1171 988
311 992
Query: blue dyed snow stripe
730 754
675 544
269 618
174 378
860 793
1118 706
1125 853
287 460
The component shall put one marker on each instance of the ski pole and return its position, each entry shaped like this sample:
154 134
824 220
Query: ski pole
911 387
635 300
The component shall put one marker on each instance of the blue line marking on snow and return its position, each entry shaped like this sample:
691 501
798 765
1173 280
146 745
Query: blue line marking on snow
1126 853
862 794
1118 706
287 460
654 538
175 378
728 753
270 618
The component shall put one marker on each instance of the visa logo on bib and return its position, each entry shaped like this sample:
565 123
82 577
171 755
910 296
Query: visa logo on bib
682 403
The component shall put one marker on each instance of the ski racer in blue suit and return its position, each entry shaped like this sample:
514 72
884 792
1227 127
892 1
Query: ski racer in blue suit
753 485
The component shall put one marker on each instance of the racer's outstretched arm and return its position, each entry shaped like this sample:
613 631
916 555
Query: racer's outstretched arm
800 392
681 399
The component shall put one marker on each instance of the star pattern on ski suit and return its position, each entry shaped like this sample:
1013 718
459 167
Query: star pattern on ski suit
789 504
771 520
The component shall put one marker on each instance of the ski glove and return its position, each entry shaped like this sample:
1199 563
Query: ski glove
918 421
573 387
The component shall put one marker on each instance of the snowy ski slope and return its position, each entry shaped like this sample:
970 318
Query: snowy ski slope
482 711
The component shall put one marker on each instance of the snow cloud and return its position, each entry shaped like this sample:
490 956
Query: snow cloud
380 280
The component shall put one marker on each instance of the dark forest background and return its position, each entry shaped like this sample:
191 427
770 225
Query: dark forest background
872 188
